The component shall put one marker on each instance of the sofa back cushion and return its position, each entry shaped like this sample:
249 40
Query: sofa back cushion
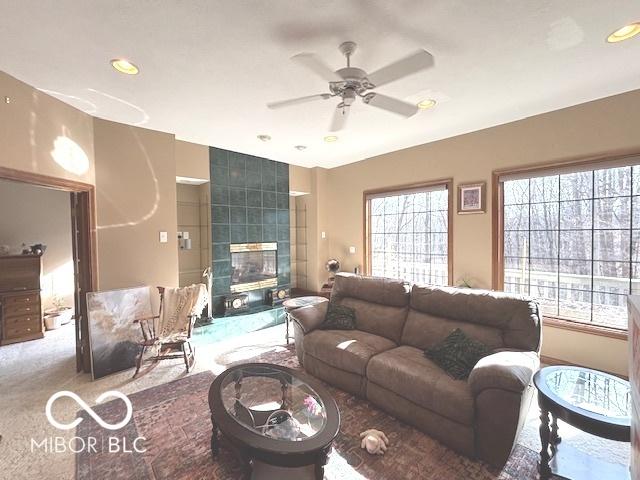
423 330
381 304
497 319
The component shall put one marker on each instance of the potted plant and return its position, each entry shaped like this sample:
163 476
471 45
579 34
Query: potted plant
58 315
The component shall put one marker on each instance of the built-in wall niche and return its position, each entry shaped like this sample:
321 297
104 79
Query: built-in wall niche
194 230
298 226
249 205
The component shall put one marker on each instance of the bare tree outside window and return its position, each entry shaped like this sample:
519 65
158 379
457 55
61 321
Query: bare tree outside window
409 236
573 241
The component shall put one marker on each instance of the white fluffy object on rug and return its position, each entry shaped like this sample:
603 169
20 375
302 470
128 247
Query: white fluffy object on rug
374 441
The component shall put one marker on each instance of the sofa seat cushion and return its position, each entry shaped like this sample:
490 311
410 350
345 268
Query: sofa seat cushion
348 350
407 372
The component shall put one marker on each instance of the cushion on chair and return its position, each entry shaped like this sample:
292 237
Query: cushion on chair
348 350
407 372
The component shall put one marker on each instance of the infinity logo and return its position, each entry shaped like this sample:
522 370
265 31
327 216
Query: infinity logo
89 410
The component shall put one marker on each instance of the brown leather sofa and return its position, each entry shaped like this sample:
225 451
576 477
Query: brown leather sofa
383 360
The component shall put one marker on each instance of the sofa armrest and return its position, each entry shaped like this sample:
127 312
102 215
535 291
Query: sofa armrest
311 317
511 371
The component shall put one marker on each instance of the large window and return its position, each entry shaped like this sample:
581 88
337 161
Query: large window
408 234
572 240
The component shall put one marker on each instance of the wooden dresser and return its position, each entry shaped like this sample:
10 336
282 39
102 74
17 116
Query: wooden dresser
20 308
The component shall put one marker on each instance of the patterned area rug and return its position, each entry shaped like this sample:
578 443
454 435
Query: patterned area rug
174 419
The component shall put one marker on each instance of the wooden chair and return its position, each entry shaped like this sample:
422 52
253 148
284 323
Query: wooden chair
166 349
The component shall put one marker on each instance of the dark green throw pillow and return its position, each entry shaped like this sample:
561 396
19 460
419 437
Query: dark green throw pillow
339 317
457 354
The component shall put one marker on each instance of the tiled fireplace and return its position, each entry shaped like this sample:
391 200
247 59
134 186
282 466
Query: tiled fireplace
249 216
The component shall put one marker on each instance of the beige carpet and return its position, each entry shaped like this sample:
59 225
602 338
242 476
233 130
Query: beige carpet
31 372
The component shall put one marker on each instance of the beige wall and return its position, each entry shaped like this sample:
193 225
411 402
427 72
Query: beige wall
136 199
605 126
299 179
135 178
37 129
24 220
192 160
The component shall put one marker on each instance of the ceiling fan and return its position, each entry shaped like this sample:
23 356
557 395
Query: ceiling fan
350 82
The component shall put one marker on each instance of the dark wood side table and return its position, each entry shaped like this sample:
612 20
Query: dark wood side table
595 402
273 415
299 302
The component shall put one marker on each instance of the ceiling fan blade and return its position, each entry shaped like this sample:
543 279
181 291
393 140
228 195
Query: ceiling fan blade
402 68
339 120
392 104
295 101
316 65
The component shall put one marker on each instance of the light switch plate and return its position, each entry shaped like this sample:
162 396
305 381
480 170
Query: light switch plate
164 237
324 235
185 235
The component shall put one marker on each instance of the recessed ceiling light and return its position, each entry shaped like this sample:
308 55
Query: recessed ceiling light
300 147
264 138
624 33
124 66
426 104
330 138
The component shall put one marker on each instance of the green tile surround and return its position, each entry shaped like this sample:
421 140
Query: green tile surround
249 203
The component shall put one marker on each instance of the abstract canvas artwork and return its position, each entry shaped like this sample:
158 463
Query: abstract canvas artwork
113 334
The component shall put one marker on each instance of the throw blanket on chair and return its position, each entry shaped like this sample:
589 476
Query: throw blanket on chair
178 305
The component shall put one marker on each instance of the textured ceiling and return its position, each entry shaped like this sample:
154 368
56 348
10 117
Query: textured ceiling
209 67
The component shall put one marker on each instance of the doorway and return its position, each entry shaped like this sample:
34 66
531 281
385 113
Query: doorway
83 248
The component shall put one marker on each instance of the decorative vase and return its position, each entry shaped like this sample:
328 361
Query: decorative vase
64 313
52 321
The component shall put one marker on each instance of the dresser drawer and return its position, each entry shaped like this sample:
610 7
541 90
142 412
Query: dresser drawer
21 330
26 299
17 309
11 322
20 272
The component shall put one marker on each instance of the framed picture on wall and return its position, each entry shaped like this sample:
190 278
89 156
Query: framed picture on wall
471 198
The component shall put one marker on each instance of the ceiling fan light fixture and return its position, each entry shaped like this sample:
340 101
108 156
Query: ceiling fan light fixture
349 83
123 65
426 104
264 138
330 138
300 147
624 33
